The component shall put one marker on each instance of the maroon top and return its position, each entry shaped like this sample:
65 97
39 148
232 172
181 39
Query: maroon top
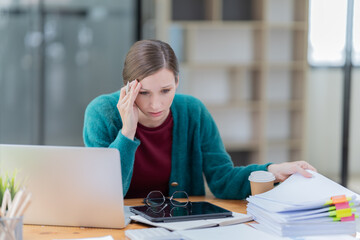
152 166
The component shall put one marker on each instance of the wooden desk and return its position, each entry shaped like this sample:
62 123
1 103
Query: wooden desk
32 232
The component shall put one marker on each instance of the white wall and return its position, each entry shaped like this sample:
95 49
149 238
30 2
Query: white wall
355 125
324 121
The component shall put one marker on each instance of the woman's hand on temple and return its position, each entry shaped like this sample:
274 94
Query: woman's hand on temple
128 110
283 170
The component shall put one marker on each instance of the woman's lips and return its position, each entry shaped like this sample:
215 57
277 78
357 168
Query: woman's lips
156 114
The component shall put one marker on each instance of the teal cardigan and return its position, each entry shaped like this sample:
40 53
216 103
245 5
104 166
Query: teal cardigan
197 148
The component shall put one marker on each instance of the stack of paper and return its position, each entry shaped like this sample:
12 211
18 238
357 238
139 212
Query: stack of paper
302 207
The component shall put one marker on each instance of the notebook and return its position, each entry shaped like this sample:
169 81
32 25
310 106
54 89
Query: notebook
70 186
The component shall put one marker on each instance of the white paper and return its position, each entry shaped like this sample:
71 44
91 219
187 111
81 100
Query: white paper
296 207
298 190
174 225
238 231
236 219
322 237
183 225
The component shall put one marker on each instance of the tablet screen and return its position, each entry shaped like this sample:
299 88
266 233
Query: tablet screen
193 211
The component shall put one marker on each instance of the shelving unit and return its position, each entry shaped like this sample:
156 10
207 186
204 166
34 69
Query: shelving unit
246 60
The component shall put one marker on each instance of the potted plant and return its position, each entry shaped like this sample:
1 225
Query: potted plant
8 182
14 202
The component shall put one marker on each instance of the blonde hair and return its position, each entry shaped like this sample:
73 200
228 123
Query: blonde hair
146 57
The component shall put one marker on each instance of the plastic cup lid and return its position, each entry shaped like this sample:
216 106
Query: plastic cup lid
261 176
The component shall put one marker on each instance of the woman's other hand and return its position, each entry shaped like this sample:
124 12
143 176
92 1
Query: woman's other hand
128 110
283 170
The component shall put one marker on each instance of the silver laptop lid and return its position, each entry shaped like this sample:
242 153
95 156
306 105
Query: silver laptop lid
70 186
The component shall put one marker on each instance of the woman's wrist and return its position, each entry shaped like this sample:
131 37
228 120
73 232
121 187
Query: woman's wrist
270 167
128 134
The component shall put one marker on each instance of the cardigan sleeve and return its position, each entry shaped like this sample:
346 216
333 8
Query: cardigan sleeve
224 180
102 128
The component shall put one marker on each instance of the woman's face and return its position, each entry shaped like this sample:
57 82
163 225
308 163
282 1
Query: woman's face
155 97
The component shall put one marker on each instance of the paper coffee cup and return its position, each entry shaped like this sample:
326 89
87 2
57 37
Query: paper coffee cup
261 181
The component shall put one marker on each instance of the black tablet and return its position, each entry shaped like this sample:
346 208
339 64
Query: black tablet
170 213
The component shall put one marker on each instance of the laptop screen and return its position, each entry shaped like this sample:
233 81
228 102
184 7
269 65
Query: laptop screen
70 186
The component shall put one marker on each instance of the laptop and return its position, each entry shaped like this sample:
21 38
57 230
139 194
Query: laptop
70 186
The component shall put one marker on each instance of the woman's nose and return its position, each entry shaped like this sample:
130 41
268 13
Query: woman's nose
155 102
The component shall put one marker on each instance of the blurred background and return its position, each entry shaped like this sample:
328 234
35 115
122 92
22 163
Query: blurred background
280 77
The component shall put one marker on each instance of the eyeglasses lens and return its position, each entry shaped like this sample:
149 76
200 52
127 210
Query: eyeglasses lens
180 198
155 198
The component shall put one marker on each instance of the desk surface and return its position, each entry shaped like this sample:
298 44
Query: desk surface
32 232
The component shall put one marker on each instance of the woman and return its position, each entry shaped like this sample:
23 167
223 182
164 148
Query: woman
167 141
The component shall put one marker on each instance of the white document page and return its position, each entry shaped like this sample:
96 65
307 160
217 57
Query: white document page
298 190
238 231
183 225
321 237
174 225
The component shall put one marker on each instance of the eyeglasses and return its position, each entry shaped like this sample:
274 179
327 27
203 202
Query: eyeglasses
156 201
